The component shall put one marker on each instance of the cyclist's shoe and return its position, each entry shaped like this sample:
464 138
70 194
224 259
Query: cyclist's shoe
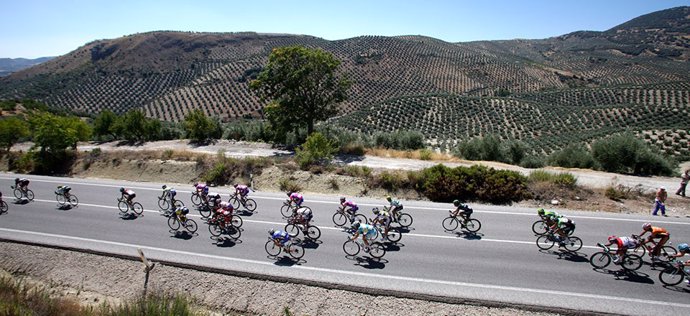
617 260
656 259
366 249
687 282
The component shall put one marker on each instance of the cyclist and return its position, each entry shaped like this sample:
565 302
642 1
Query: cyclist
549 217
350 207
242 191
303 216
466 211
213 199
202 189
368 233
655 233
181 213
683 250
563 227
395 206
383 219
623 244
223 214
63 190
294 197
128 195
169 193
280 238
22 184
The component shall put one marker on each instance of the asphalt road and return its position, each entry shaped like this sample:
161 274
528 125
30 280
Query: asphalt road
501 263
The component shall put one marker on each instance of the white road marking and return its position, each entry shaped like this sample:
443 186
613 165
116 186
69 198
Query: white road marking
363 274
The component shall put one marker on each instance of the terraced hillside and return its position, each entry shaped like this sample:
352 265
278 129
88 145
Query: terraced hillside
597 82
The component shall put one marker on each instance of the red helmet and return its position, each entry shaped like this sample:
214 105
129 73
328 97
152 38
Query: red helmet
612 238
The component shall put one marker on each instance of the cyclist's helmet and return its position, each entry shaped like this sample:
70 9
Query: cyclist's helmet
164 186
646 226
540 211
16 180
122 190
662 188
342 199
271 231
683 247
612 238
388 198
236 184
355 225
456 202
375 210
195 183
289 193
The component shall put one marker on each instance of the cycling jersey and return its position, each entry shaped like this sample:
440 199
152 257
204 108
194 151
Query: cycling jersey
552 215
226 206
367 230
282 236
129 194
353 206
383 218
566 224
201 186
626 242
396 203
305 213
297 198
658 232
242 189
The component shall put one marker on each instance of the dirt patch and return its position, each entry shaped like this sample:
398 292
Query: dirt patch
94 278
329 183
138 170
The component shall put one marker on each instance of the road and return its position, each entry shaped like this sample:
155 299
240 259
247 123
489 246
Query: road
501 263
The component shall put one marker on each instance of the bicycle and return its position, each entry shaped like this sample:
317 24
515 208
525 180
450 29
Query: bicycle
393 236
602 259
570 243
403 219
541 227
217 227
3 205
165 200
125 206
293 228
248 203
175 222
295 250
66 197
452 222
197 198
352 248
288 208
674 273
642 249
20 193
341 218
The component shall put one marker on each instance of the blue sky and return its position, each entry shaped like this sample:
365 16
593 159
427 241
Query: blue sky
37 28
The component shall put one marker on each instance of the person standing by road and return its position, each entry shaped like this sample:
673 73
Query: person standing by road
684 178
659 201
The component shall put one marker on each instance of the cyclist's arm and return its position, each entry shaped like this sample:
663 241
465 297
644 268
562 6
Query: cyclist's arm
354 237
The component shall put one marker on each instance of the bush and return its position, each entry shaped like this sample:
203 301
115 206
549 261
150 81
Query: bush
11 131
573 156
563 179
401 140
532 162
200 128
443 184
316 149
425 154
390 181
626 154
487 148
225 170
358 171
288 185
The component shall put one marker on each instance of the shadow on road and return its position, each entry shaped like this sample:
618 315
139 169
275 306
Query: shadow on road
682 288
247 213
21 201
128 216
626 275
226 242
184 235
391 246
65 207
311 244
371 263
348 158
287 261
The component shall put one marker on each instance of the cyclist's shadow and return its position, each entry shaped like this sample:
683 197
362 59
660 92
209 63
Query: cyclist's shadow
682 288
393 246
247 213
287 261
311 244
562 254
21 201
626 275
128 216
184 235
370 262
226 242
65 207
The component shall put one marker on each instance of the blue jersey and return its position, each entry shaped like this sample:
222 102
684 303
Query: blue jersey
281 235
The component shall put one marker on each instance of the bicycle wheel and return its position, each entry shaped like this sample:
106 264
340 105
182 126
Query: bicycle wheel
17 193
631 262
196 199
640 250
4 207
235 202
236 221
137 208
163 204
295 250
173 223
544 242
215 230
190 225
671 276
272 249
600 260
377 250
292 230
60 199
313 232
573 244
394 236
361 219
450 223
405 220
233 232
30 195
250 205
351 248
123 206
539 228
665 252
179 204
473 225
204 210
73 200
286 210
339 219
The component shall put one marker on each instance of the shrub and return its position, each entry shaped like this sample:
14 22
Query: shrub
425 154
487 148
532 162
358 171
316 149
390 181
200 128
625 154
167 154
288 185
540 176
516 152
563 179
573 156
401 140
225 169
11 131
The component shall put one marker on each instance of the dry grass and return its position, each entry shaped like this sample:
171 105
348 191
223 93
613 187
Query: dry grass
416 154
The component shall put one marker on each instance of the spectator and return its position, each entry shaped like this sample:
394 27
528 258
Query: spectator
684 177
659 201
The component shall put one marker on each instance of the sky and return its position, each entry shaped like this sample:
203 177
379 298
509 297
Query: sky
39 28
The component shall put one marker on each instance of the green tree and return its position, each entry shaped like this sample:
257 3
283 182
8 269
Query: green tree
54 133
103 124
301 86
135 126
12 130
317 148
200 128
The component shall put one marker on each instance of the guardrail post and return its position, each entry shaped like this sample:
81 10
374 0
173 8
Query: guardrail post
148 266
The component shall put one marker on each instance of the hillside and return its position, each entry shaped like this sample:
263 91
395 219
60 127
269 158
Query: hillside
10 65
608 81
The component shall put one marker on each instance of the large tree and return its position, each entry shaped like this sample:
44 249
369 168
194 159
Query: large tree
301 85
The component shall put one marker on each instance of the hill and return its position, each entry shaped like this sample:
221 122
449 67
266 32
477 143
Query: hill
581 74
10 65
